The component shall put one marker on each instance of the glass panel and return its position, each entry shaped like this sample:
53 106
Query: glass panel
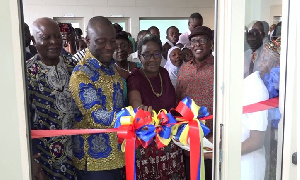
163 24
261 82
123 21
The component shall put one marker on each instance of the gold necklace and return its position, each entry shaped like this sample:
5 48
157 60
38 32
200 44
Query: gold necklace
123 68
161 85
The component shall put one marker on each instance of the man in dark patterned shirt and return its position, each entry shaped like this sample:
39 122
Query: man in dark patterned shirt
196 78
50 102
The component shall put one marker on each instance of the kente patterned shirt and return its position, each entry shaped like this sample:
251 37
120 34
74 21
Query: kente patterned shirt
52 107
98 92
197 82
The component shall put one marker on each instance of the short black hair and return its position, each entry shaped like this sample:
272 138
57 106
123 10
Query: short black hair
142 32
196 16
97 21
122 35
170 28
118 27
146 39
78 31
153 27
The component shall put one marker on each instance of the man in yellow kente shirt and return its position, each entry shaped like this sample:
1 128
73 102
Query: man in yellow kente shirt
97 90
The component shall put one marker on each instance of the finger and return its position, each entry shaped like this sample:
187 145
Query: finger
140 106
145 108
150 109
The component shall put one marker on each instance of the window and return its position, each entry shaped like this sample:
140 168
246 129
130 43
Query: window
123 21
163 23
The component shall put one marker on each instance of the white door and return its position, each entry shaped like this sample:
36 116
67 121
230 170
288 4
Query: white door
233 20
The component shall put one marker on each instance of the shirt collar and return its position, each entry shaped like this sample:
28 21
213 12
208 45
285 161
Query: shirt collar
91 56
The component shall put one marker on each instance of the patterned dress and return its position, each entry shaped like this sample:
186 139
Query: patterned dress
52 107
98 92
153 163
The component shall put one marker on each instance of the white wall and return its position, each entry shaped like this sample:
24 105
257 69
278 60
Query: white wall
262 10
14 164
134 9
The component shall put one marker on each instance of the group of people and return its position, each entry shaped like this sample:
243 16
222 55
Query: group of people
73 88
81 83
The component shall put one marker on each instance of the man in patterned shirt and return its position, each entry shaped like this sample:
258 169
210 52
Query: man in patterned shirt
196 78
97 90
50 102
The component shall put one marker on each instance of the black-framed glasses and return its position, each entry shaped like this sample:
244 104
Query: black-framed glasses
147 56
202 41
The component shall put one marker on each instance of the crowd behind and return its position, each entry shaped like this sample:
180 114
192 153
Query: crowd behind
77 82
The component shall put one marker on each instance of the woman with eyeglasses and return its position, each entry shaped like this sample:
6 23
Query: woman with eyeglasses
150 88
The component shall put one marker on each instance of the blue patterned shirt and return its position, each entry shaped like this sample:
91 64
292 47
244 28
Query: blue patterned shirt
98 92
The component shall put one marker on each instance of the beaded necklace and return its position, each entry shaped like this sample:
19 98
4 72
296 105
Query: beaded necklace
123 68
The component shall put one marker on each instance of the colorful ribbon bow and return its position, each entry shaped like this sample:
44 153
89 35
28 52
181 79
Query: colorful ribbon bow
134 129
165 128
190 127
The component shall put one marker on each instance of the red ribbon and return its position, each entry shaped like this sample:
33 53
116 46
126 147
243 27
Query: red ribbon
194 149
164 121
67 132
261 106
128 132
194 135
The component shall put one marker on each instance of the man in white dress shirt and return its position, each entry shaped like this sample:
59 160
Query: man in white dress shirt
254 126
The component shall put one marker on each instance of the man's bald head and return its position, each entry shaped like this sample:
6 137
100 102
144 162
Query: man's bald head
42 23
101 38
96 22
47 38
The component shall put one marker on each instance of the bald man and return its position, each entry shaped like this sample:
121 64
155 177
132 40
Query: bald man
50 101
97 89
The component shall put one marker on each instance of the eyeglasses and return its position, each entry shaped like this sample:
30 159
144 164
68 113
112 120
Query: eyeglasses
202 41
147 56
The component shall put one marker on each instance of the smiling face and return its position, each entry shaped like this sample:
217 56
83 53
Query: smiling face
176 57
121 52
201 47
152 49
101 41
47 39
